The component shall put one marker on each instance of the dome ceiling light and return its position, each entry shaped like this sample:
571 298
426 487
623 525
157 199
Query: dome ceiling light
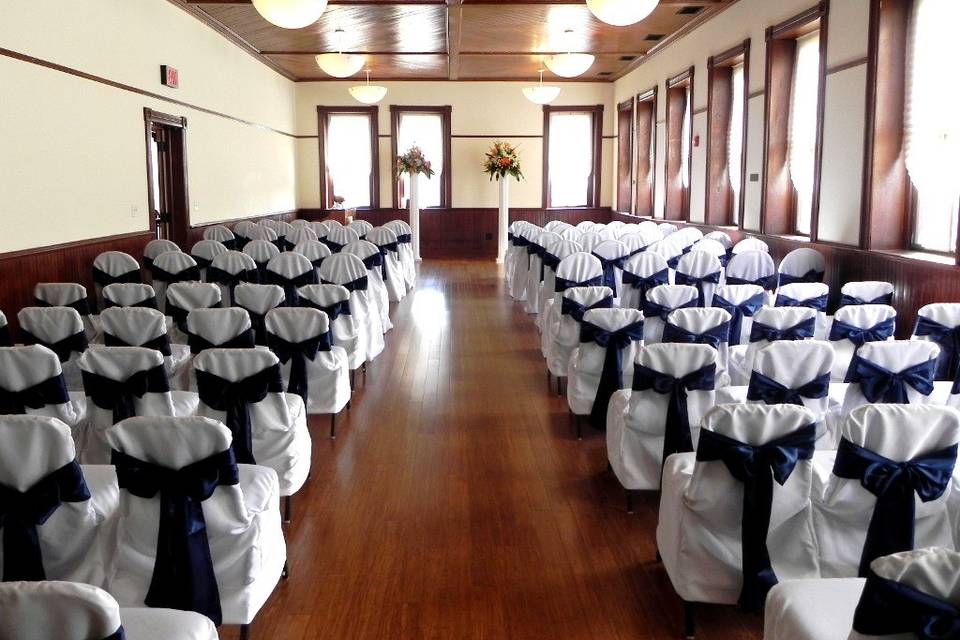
569 65
290 14
621 13
541 94
340 64
368 93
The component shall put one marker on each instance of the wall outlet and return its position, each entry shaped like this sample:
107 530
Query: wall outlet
754 177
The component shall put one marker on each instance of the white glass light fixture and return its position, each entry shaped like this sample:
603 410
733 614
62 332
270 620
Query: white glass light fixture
340 64
290 14
621 13
541 94
569 65
368 93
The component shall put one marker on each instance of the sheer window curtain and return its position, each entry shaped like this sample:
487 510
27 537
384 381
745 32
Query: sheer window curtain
735 140
426 131
571 159
348 158
932 127
685 141
803 125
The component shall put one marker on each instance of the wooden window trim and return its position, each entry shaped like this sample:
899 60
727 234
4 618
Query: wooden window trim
778 208
323 123
445 113
719 208
593 188
625 112
182 221
646 209
674 189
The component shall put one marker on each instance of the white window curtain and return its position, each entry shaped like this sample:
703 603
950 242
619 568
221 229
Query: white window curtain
735 139
932 128
804 103
571 159
348 158
685 141
426 131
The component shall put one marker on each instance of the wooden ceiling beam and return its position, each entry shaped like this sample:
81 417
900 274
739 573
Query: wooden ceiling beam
454 32
355 3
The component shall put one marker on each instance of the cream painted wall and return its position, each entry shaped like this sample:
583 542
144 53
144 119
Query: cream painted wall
844 112
72 162
494 110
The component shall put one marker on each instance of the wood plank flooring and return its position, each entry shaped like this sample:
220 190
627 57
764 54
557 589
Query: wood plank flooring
457 503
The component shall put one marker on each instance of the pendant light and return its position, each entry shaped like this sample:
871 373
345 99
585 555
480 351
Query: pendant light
290 14
368 93
621 13
569 65
340 64
541 94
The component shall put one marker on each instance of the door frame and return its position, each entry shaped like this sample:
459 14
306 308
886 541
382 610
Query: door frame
180 227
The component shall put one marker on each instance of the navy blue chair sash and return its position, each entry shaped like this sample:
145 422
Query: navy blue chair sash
562 284
235 398
77 343
335 247
673 261
819 303
360 284
283 244
178 315
518 241
644 284
5 339
119 396
405 238
21 512
103 278
768 390
610 266
161 343
894 484
550 260
800 331
748 308
859 336
880 385
390 247
376 261
81 306
239 241
202 263
757 468
698 282
258 322
190 274
676 433
576 310
50 391
888 607
243 340
290 285
713 337
611 377
769 283
146 303
183 576
297 353
810 276
948 338
231 280
654 310
847 300
119 634
333 311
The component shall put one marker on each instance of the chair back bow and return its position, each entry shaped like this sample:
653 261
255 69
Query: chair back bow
77 343
611 377
50 391
119 396
819 303
698 282
297 353
246 339
847 300
859 336
376 261
562 284
948 338
230 280
360 284
769 283
290 285
335 247
183 576
333 311
81 306
161 343
575 310
610 266
748 308
888 607
813 275
757 467
894 484
103 278
713 337
800 331
769 391
406 238
644 284
190 274
654 310
880 385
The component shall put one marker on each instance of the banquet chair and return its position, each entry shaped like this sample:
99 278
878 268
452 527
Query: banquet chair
281 228
940 323
609 231
243 389
576 270
574 303
612 255
702 270
144 327
122 382
714 248
112 267
6 340
770 324
666 229
320 228
184 297
61 330
752 267
535 269
219 329
553 253
348 271
290 271
904 596
31 383
589 240
660 302
234 563
222 234
264 233
670 249
750 244
405 243
299 222
172 267
327 225
736 516
299 234
556 226
229 270
154 248
334 301
75 611
240 231
701 326
339 237
314 251
802 265
627 229
723 238
257 300
866 292
637 242
524 239
129 294
373 260
262 252
52 516
742 302
586 225
362 227
814 295
674 385
386 242
313 368
203 253
895 372
641 273
855 325
888 486
513 250
572 234
67 294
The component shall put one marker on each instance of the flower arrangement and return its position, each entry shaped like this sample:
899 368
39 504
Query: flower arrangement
413 161
502 160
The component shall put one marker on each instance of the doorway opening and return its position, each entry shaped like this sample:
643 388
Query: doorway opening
168 197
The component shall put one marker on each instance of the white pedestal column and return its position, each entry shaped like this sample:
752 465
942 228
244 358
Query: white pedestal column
504 220
414 201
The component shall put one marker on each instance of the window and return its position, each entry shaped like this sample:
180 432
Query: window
679 144
646 134
428 128
572 139
625 156
349 156
793 115
726 105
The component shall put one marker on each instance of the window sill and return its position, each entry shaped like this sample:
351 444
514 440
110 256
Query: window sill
793 237
923 256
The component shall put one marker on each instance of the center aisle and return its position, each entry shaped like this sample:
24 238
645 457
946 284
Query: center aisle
457 503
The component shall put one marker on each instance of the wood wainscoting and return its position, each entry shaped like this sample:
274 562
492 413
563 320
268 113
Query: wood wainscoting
916 282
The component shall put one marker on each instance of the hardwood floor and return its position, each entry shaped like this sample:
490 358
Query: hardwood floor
456 502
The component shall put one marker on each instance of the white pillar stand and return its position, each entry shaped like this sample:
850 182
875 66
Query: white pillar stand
414 201
504 220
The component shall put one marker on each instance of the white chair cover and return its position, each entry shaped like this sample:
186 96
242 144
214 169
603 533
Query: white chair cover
525 238
722 237
154 248
169 268
113 266
6 340
879 319
802 265
589 240
608 231
612 255
262 251
669 250
637 242
513 249
299 234
866 292
386 242
554 253
666 228
339 237
641 273
556 226
578 269
334 301
129 294
203 253
143 327
787 323
714 248
299 222
940 323
404 232
661 301
586 225
215 328
701 326
807 294
752 267
281 228
566 332
349 271
67 294
314 251
242 520
221 233
230 269
362 227
373 261
572 234
750 244
290 271
257 300
895 357
535 271
319 228
742 302
61 330
184 297
262 232
240 231
702 270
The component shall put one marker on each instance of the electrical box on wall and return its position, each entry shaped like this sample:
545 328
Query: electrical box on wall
169 76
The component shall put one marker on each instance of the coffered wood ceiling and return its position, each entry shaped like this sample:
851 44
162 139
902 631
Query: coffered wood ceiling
454 39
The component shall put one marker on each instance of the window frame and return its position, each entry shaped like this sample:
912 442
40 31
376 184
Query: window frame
650 96
625 118
593 186
778 214
718 209
674 189
446 185
323 122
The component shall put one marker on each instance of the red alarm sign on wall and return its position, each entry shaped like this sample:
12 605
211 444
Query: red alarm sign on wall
169 76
